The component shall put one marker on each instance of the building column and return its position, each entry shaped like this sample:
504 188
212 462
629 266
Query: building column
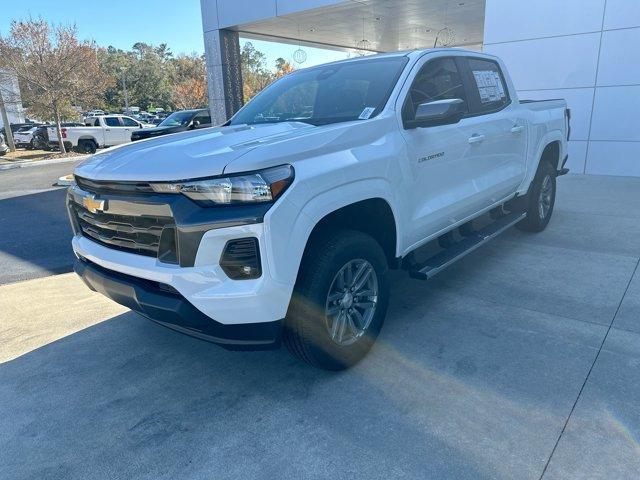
224 75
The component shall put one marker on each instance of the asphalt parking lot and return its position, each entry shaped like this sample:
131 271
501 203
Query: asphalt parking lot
520 362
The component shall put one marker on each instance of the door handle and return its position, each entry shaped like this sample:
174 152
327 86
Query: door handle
517 129
476 138
107 129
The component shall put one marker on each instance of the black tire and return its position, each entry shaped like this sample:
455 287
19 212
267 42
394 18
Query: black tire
307 326
30 145
87 146
542 191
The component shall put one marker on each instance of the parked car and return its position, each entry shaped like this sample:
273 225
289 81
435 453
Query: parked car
41 136
283 224
3 146
23 138
176 122
19 126
98 132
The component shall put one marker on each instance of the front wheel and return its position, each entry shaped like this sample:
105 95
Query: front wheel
340 300
540 199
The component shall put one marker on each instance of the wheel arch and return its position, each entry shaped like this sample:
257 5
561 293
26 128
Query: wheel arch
372 216
552 148
353 206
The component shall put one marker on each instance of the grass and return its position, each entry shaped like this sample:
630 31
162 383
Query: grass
34 155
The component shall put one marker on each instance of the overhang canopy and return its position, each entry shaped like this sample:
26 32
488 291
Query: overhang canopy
372 25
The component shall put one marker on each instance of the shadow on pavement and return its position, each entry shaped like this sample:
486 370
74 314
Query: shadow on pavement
36 236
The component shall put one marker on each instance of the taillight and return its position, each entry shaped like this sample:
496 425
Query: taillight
64 132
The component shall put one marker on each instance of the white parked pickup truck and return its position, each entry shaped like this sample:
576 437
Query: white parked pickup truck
282 224
98 132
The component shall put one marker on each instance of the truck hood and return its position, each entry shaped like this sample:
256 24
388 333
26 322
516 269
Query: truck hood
192 154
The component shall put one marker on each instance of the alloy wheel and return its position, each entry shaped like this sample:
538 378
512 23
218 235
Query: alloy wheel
546 195
351 302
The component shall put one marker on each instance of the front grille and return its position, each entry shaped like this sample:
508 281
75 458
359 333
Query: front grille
134 234
107 187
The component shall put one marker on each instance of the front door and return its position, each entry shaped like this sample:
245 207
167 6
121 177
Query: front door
130 125
444 159
114 132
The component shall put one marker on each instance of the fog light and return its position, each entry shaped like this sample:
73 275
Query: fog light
240 259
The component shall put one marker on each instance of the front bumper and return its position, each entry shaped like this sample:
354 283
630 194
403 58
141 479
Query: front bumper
166 306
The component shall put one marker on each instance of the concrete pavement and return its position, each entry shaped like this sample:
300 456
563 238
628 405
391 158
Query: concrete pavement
40 311
522 361
35 234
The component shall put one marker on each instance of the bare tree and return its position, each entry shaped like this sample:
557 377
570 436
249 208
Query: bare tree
54 68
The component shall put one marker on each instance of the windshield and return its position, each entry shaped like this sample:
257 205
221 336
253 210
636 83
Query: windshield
327 94
177 119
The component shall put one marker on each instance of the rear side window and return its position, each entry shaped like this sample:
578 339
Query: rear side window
112 121
488 86
438 79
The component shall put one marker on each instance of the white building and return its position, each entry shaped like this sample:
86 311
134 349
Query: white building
10 91
587 51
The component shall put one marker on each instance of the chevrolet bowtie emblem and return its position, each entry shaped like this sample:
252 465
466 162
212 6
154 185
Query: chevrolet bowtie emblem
92 204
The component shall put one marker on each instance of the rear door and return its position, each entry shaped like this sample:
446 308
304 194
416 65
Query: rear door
501 129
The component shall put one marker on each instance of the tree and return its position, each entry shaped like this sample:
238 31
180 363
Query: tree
283 67
255 74
190 93
117 64
188 76
54 68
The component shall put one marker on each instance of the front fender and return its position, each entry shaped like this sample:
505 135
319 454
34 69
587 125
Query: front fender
288 238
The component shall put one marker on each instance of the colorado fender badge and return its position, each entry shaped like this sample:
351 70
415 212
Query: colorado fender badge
431 157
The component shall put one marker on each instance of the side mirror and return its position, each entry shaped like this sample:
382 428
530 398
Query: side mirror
439 112
195 124
141 126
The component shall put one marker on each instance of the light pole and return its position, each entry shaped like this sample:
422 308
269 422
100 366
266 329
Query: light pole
126 95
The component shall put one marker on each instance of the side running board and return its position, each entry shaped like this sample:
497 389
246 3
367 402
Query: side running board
434 265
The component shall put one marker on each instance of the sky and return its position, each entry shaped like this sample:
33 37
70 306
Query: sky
121 23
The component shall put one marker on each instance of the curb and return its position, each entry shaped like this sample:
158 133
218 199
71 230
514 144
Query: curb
65 180
35 163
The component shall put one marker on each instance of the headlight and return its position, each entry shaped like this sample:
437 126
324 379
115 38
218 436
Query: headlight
254 187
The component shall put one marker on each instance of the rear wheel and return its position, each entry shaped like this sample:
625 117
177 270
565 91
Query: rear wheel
540 199
340 300
87 146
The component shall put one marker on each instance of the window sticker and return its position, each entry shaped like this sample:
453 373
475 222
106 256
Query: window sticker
366 113
489 86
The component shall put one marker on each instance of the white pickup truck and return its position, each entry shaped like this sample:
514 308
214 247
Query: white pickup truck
98 132
281 226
